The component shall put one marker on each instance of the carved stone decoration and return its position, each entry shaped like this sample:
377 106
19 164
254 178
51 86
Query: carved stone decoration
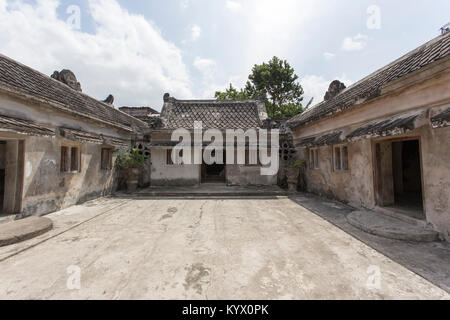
143 150
335 88
166 97
287 148
68 78
109 100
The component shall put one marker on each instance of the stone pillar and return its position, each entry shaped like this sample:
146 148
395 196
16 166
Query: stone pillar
397 155
385 174
12 150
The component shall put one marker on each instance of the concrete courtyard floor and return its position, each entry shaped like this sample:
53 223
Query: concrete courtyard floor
266 248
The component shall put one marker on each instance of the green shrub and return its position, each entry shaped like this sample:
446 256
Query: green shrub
130 159
295 164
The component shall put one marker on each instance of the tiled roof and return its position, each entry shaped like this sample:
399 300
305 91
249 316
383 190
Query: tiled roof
306 142
24 127
370 87
142 113
324 140
386 127
441 120
214 114
328 139
24 80
379 128
78 135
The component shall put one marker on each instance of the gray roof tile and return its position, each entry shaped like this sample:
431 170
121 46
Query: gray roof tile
31 82
213 114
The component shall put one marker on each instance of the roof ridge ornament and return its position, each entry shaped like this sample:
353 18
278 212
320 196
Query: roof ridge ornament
334 89
68 78
166 97
445 28
109 99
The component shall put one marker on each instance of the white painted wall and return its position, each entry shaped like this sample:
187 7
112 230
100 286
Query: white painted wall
175 175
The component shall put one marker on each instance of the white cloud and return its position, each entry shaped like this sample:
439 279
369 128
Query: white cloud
184 4
208 69
328 56
356 43
275 28
126 54
204 65
196 32
316 86
233 5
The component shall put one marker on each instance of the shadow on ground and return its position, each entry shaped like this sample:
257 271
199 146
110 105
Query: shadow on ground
429 260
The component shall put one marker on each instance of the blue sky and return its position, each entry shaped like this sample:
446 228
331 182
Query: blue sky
139 49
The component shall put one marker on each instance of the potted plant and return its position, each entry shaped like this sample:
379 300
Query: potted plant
131 161
292 169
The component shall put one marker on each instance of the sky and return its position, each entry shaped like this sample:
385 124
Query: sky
138 50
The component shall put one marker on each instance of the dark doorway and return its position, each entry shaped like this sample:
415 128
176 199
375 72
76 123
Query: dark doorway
214 173
407 177
399 177
2 173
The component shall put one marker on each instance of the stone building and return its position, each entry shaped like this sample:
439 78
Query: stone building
384 142
56 143
213 114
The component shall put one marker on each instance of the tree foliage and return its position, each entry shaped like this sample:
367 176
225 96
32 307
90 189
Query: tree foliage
277 83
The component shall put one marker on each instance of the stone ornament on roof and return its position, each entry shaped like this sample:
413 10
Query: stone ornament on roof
335 88
109 99
68 78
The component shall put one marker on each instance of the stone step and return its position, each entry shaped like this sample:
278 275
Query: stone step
7 218
392 228
25 229
210 190
210 194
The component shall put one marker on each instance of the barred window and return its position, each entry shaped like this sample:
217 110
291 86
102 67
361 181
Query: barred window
70 159
314 158
65 159
106 159
340 155
74 159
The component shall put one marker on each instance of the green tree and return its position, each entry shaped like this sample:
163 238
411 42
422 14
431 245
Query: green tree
231 93
277 82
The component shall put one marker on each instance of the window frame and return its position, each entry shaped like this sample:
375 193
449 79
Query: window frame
343 158
110 152
169 161
313 157
67 167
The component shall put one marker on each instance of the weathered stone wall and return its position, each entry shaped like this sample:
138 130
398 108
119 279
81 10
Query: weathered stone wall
47 189
248 175
354 186
435 148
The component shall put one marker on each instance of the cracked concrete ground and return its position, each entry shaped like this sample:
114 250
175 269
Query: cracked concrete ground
204 249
